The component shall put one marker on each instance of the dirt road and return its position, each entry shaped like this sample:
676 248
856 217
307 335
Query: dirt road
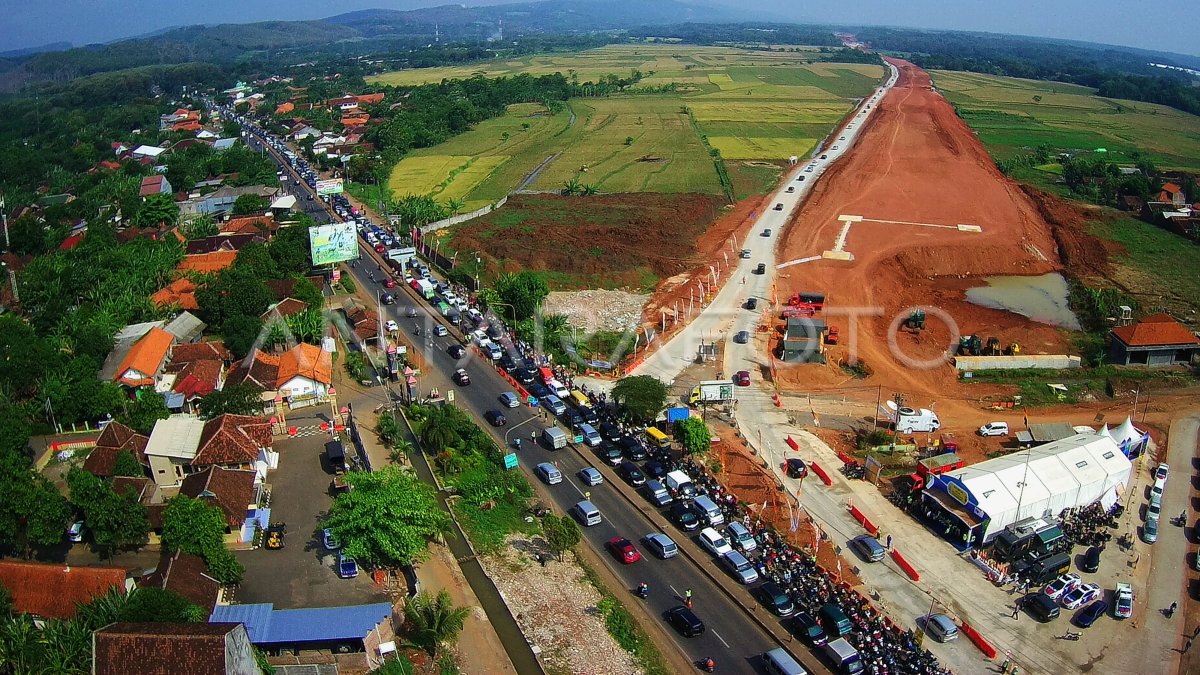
923 184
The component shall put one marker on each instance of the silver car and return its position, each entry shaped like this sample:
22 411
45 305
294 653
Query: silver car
660 545
740 567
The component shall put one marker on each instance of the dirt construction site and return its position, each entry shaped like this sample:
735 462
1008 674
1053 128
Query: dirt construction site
913 215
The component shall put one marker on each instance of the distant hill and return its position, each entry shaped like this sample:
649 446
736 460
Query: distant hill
367 29
29 51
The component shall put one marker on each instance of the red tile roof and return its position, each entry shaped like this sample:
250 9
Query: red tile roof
232 439
147 357
213 350
250 225
368 99
186 575
166 648
232 490
262 371
285 308
1153 330
198 378
1171 187
308 361
207 263
113 439
71 241
181 293
53 590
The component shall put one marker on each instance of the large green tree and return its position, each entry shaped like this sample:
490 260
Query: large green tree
250 205
194 527
147 604
694 435
142 413
643 396
524 291
33 513
562 533
236 399
387 518
155 210
116 520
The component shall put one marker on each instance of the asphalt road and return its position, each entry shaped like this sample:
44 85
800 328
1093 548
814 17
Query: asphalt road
294 185
729 636
726 314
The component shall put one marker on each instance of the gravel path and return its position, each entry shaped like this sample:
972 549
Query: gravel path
556 609
598 309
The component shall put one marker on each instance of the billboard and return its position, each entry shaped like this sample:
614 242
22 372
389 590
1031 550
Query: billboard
333 243
333 186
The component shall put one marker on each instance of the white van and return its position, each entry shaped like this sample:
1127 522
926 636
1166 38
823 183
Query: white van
680 484
549 473
708 511
994 429
586 513
780 662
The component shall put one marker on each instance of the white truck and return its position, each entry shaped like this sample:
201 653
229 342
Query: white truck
908 420
712 391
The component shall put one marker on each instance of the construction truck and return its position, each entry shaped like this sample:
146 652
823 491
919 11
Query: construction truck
908 420
992 348
712 391
916 320
970 345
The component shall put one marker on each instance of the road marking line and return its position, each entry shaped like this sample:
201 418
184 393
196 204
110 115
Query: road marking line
797 261
714 632
677 593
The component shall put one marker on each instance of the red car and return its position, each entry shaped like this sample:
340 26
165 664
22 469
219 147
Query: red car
742 378
624 550
389 284
379 248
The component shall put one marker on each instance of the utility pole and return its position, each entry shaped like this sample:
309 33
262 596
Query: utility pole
898 398
4 219
875 413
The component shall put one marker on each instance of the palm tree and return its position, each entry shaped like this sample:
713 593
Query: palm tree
433 621
571 187
455 205
438 431
590 190
401 448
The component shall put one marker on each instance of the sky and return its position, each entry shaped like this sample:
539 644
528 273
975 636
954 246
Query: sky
1119 22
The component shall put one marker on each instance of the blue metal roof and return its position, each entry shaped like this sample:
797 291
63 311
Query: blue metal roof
266 625
256 618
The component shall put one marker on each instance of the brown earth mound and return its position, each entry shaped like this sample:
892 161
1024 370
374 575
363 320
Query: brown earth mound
917 162
606 241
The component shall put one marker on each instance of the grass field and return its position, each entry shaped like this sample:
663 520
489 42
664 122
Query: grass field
752 105
1159 265
1011 114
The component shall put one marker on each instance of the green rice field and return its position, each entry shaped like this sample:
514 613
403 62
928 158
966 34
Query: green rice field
1012 115
753 106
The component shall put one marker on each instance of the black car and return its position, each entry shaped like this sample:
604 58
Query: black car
539 390
685 621
526 375
776 599
1091 559
457 351
610 431
387 299
495 418
805 626
610 453
633 449
632 474
588 414
761 269
1040 606
752 303
796 468
684 516
461 377
655 469
1087 616
507 363
571 417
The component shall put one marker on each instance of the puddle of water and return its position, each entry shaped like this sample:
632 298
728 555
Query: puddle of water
1043 298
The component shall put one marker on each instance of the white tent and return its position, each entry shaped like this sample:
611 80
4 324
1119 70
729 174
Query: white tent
1042 481
1104 431
1126 433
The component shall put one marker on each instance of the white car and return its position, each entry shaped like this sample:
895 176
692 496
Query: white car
714 542
1081 596
1062 585
1124 607
994 429
391 326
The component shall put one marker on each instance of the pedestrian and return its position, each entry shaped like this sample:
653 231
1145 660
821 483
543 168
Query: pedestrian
687 598
533 437
889 542
1016 612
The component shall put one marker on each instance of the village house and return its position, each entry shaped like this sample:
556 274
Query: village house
53 590
182 445
168 648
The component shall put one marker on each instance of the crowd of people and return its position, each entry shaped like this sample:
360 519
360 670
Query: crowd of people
1089 525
